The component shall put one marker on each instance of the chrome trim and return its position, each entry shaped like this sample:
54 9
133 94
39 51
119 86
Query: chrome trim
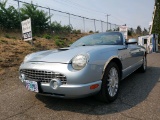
108 61
42 76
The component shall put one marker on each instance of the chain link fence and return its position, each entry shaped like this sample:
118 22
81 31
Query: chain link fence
76 22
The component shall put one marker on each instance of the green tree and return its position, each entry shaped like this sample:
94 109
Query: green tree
9 17
130 32
138 30
156 22
145 32
58 28
40 19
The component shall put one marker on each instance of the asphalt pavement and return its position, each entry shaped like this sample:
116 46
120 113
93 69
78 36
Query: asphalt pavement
139 99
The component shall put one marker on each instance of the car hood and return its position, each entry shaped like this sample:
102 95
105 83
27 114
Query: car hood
65 55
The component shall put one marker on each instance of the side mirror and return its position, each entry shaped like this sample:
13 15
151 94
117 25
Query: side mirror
131 41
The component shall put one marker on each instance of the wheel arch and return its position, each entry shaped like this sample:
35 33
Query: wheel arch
116 60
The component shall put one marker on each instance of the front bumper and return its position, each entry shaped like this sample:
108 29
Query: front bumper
68 91
78 82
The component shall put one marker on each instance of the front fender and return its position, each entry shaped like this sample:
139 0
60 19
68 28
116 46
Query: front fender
103 59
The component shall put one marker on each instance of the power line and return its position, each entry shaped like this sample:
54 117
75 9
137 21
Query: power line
70 14
79 6
74 4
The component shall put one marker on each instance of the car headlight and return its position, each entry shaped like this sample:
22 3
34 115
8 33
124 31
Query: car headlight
79 62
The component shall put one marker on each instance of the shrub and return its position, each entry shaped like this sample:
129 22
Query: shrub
60 43
7 36
56 37
76 31
90 31
58 28
79 31
47 36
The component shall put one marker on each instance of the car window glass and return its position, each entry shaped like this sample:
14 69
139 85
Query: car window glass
110 38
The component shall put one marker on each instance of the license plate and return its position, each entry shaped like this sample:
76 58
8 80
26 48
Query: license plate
32 85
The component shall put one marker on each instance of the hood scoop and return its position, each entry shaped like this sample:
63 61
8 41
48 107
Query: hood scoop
63 49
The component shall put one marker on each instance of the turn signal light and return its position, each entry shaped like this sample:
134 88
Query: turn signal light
94 86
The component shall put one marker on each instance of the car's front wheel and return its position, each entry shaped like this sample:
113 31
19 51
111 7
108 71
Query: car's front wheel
110 83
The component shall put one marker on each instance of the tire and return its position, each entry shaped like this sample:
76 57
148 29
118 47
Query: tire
110 84
144 65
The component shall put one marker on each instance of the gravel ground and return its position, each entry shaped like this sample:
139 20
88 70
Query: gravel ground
139 98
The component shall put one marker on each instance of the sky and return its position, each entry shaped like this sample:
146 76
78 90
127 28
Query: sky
133 13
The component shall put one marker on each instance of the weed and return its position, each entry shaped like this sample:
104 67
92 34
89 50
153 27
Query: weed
60 43
14 38
56 37
76 31
47 36
7 36
79 31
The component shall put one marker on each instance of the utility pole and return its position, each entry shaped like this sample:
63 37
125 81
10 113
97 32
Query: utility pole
50 20
20 18
95 25
115 27
102 25
69 19
84 23
107 20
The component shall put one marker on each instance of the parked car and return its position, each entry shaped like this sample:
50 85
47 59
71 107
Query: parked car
93 65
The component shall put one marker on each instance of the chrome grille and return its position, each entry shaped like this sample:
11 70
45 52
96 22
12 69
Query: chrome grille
42 76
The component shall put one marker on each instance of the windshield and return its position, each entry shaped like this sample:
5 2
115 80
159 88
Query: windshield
108 38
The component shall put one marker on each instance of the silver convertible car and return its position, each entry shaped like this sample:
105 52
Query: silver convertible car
93 65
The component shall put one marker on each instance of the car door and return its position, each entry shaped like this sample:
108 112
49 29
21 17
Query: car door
136 54
125 57
130 56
